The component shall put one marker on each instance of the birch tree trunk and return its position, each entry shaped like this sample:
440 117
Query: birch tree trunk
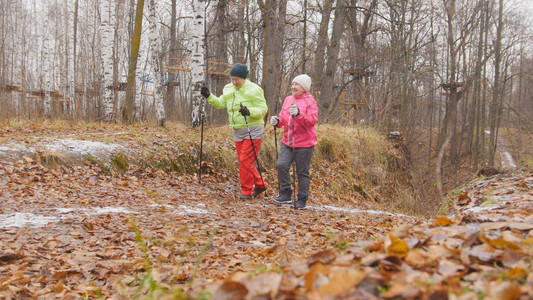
197 59
66 73
47 57
156 65
3 41
107 29
170 106
73 69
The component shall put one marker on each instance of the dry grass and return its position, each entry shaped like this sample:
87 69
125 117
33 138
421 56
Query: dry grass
520 145
352 166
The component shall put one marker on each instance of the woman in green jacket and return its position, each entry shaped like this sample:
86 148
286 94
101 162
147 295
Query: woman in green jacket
244 99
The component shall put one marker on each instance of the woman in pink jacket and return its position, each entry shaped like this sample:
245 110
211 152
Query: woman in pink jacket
298 117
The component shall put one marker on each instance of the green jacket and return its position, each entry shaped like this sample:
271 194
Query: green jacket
250 95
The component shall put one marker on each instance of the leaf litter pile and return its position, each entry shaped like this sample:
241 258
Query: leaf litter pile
83 232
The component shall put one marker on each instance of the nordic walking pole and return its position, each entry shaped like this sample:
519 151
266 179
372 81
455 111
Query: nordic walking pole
276 141
201 141
202 109
255 153
275 134
294 165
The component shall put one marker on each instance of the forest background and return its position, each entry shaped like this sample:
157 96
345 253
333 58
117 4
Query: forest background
443 76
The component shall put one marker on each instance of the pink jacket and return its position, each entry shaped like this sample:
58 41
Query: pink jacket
304 123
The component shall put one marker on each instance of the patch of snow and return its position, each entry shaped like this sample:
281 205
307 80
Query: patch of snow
163 205
96 210
481 208
73 150
350 210
184 209
15 150
64 210
108 210
24 220
357 211
86 148
508 161
32 220
187 210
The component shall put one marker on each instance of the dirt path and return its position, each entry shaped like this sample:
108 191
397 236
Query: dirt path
70 232
506 159
507 162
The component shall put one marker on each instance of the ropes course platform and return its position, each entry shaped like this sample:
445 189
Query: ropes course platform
215 69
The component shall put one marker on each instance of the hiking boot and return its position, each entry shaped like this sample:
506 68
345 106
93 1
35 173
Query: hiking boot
245 197
283 199
299 204
258 191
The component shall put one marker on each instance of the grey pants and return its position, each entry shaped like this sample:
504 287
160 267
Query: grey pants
302 158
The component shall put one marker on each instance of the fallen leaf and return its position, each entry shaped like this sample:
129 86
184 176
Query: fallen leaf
443 221
395 246
516 273
323 257
449 269
230 290
418 259
503 290
341 281
314 271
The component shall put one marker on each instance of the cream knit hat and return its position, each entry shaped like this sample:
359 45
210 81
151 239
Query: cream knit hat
304 80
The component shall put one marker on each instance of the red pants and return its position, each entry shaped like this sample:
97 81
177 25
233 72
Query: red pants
247 171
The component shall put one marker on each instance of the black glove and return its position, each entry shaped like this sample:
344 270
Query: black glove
244 110
205 92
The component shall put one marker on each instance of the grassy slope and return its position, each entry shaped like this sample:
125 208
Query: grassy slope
351 167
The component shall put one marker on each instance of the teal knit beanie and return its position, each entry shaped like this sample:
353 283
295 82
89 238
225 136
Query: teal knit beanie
239 70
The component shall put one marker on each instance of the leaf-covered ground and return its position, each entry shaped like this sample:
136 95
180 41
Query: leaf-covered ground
84 231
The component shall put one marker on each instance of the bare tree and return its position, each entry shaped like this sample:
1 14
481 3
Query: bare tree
477 130
326 102
497 91
360 29
128 115
274 12
220 52
322 42
47 62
